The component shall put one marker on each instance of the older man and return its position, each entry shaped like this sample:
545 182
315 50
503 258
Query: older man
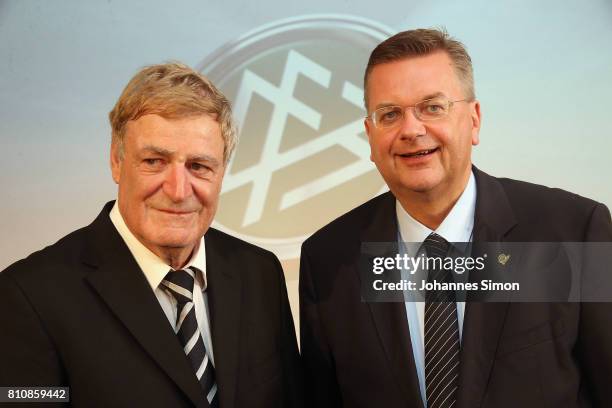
423 119
148 306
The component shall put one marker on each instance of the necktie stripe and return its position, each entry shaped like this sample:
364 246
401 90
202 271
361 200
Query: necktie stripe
442 369
188 327
178 290
447 343
431 312
437 363
446 326
441 332
433 403
190 272
208 379
212 393
180 284
440 382
448 396
438 322
436 252
433 324
446 340
202 367
192 341
439 275
181 278
197 353
183 315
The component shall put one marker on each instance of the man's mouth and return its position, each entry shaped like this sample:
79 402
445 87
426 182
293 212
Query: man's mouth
175 212
420 153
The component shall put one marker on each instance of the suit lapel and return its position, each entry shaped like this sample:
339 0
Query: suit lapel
121 284
224 302
483 322
390 317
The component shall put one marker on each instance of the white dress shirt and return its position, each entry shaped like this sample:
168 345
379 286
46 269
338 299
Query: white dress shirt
155 269
456 227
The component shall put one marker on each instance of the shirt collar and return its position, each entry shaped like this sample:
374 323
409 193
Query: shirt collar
456 227
153 267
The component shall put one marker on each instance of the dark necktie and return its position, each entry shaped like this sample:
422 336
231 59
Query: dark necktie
441 332
180 284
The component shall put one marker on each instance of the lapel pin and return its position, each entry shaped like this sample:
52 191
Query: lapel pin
503 258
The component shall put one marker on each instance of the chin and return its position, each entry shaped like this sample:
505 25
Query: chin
418 188
172 239
420 185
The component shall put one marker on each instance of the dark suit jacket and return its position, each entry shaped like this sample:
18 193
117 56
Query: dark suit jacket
81 313
358 354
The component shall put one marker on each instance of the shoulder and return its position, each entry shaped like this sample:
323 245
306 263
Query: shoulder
259 270
47 279
222 242
347 228
45 264
553 214
538 200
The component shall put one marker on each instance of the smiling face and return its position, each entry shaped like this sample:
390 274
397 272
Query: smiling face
169 179
431 158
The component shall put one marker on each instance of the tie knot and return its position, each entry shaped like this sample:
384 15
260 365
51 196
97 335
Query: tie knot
180 284
436 246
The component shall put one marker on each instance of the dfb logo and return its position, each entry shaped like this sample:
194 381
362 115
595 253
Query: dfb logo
302 158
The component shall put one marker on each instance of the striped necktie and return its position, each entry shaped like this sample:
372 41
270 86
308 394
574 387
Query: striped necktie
441 332
180 284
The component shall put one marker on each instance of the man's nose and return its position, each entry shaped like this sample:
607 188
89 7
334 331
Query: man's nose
411 126
177 185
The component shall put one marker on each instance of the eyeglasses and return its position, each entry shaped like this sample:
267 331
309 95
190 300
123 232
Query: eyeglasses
428 110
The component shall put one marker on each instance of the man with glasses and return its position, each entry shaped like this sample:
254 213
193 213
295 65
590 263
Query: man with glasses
423 119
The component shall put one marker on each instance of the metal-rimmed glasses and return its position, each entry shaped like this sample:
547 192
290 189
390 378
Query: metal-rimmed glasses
431 109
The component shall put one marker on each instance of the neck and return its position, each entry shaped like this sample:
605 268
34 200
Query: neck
177 258
430 208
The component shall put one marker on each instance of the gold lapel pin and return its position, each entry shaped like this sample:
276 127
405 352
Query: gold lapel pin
503 258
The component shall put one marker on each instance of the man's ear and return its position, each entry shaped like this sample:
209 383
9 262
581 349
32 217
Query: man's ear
476 122
366 123
116 161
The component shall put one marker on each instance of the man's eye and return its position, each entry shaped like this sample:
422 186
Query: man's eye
389 116
199 168
434 108
152 162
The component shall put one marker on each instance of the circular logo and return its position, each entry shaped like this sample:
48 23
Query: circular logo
303 157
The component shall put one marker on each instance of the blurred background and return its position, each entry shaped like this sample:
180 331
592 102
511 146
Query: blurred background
293 70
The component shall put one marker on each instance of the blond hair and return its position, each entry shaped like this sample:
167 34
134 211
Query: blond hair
419 42
173 91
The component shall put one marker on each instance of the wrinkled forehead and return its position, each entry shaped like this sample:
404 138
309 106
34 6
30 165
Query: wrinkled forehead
194 135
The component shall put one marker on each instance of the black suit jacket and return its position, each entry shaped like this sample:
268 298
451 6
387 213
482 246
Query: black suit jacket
81 313
358 354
